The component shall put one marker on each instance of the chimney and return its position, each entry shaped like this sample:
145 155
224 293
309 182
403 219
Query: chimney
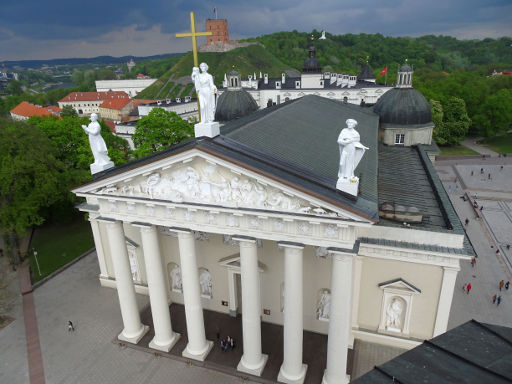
266 78
283 78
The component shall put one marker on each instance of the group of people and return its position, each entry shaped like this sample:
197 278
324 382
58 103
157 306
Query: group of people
226 343
496 299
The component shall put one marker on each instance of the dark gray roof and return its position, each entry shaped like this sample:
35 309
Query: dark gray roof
403 107
233 104
304 132
405 68
366 73
473 353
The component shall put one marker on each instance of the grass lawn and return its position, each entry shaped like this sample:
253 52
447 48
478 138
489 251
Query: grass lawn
500 144
456 150
58 244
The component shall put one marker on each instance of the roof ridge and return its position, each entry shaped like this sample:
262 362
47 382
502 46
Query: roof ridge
485 326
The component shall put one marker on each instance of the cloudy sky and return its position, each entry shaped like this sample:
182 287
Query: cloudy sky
31 29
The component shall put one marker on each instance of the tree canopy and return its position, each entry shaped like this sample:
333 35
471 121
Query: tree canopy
30 179
158 130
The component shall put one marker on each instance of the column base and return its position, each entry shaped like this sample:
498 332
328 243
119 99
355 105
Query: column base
298 379
257 371
135 338
167 346
201 356
344 380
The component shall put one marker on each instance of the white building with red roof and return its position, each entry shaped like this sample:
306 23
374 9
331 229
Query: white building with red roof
85 103
130 86
25 110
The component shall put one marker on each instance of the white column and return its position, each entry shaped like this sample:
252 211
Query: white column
198 347
233 300
356 283
133 330
253 361
339 319
293 370
445 300
96 234
164 338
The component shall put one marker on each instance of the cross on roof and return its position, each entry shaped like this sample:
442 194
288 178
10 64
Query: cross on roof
193 34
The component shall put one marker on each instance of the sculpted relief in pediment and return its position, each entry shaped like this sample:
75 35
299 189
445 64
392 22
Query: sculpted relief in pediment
199 181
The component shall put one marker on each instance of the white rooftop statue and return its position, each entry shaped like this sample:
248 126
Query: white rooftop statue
323 36
98 146
206 91
351 153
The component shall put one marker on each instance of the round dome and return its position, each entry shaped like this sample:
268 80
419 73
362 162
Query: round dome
233 104
405 68
311 64
403 106
234 73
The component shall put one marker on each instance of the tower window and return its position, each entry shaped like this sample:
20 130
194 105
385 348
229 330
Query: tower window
400 138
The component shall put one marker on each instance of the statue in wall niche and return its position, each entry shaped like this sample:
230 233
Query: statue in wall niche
394 313
98 146
323 309
205 281
176 282
351 150
206 91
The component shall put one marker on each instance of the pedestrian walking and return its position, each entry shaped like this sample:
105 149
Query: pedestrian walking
481 171
507 284
489 176
228 342
71 327
473 262
466 221
472 173
501 168
498 301
464 287
468 288
494 299
223 346
501 284
508 246
232 343
481 208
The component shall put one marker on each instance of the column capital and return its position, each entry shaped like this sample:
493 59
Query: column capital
244 239
341 254
106 219
180 230
290 244
451 268
146 227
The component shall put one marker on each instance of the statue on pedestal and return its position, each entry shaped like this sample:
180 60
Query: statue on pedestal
351 153
206 90
98 146
394 312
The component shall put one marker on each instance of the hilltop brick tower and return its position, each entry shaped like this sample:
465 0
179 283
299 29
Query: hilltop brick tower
219 28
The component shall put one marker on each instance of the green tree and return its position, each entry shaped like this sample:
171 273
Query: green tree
68 110
455 120
441 136
158 130
498 111
29 181
14 88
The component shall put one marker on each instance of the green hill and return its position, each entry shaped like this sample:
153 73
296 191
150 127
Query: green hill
247 60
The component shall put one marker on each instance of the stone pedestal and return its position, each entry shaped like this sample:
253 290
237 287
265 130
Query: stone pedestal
350 186
95 168
210 129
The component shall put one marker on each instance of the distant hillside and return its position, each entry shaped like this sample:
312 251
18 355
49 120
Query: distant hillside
80 61
347 53
248 60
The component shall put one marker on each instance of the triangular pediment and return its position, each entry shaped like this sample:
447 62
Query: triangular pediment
399 284
196 177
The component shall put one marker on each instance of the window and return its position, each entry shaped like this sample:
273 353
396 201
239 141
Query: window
400 138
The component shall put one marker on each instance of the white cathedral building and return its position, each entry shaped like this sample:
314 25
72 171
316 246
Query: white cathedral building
348 88
249 223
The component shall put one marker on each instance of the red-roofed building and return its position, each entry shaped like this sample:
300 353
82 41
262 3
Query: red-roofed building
25 110
86 103
115 109
111 125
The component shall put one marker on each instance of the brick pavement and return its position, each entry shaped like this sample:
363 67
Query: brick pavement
34 357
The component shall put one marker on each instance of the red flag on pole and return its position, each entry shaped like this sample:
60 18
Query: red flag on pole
384 71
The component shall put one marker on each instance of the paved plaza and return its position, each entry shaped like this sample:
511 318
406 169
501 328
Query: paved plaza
488 230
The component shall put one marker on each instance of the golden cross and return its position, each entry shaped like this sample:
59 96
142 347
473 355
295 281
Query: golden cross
193 34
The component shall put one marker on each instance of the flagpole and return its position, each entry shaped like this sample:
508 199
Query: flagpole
386 76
